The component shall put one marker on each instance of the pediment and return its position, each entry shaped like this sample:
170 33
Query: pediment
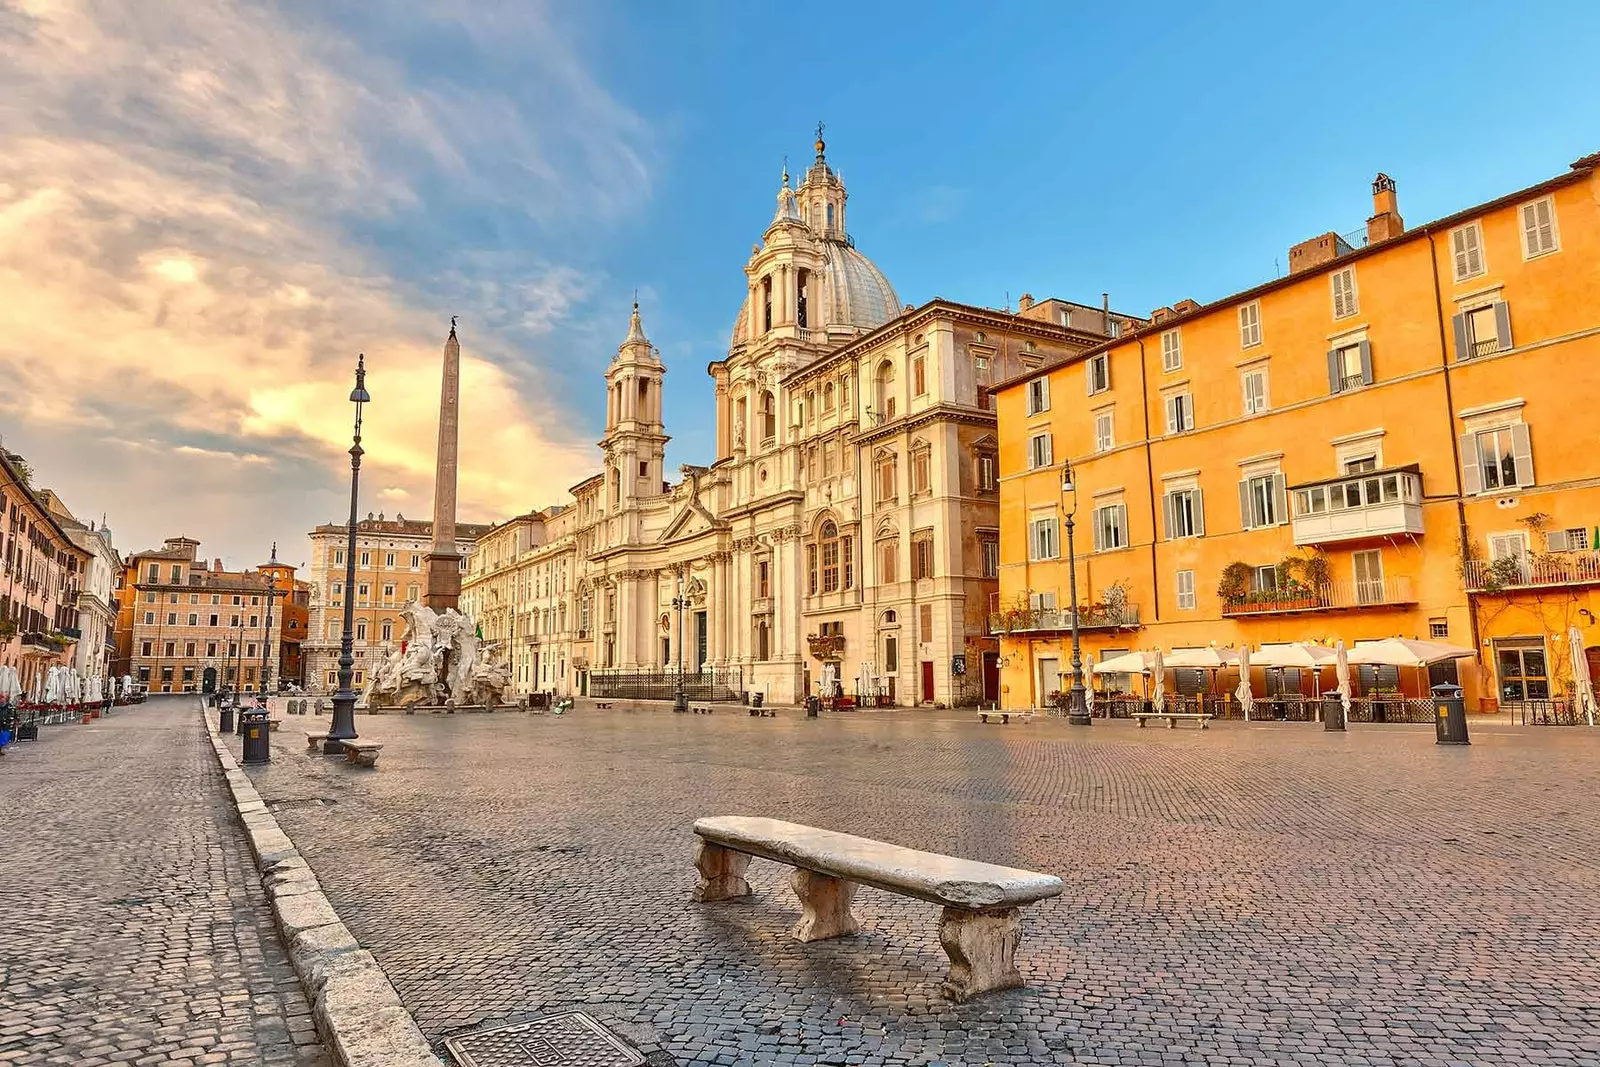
690 520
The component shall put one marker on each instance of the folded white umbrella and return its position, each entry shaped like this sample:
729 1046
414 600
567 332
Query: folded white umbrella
1297 654
1127 663
1088 689
1582 684
1247 699
1341 671
1158 691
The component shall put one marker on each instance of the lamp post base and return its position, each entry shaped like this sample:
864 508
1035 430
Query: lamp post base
1078 709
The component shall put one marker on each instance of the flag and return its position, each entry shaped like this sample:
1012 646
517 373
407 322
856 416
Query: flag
480 631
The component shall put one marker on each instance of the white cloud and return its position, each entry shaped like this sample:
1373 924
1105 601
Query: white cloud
181 278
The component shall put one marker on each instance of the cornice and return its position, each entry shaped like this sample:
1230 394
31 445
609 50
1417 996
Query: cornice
937 413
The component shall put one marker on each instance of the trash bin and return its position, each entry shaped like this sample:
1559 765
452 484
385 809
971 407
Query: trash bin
813 705
1332 712
755 699
257 731
8 724
1450 715
225 716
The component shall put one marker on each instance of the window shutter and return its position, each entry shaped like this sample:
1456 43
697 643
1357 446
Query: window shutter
1105 361
1471 469
1171 414
1244 504
1280 497
1033 544
1335 378
1366 362
1044 394
1088 377
1049 450
1120 514
1522 451
1197 496
1458 245
1502 323
1167 506
1095 523
1244 393
1463 344
1474 251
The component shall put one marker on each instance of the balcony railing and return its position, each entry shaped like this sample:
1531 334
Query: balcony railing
1371 504
1049 620
1333 596
1522 572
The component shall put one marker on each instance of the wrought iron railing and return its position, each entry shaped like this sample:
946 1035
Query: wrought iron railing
720 683
1546 712
1330 596
1555 568
1123 617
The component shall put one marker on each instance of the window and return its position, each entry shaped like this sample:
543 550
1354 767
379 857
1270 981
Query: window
925 622
1539 235
171 648
211 648
1250 324
888 557
1369 576
338 555
891 654
362 591
1438 629
155 570
1180 413
1349 367
921 481
250 650
769 418
1097 373
989 548
172 618
1184 513
1254 384
986 472
213 621
177 574
922 554
388 559
1345 302
1185 590
1264 579
388 592
1483 330
887 489
255 620
1110 527
387 630
1466 251
1044 538
764 578
1501 458
1044 601
1038 395
1171 351
194 620
829 459
1104 432
1360 464
1263 501
235 621
827 398
1039 451
1575 539
831 545
144 648
361 629
919 376
366 559
1524 673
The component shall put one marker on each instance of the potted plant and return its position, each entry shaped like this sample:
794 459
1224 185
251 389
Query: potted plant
1234 585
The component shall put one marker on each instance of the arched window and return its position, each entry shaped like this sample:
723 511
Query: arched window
830 216
769 418
763 640
890 617
766 300
885 384
388 630
827 397
361 629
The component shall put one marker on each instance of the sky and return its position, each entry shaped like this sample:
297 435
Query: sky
208 209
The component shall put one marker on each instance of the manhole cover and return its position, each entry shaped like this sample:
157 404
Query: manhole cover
571 1039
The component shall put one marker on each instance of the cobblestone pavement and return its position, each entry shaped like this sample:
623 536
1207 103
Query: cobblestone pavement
133 926
1250 894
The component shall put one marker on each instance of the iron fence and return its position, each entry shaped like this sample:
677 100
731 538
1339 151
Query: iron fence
719 684
1548 712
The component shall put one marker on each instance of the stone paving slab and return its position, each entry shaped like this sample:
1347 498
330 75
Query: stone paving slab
133 924
1252 894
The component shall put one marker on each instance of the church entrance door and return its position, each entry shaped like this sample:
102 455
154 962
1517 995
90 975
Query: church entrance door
927 681
699 641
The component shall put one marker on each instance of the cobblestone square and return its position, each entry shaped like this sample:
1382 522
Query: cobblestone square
1250 894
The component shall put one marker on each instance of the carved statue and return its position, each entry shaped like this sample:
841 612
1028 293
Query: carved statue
440 661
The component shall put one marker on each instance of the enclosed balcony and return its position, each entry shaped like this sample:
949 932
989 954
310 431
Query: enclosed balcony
1355 507
1385 592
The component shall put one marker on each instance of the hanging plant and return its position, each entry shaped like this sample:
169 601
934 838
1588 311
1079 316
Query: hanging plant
1235 582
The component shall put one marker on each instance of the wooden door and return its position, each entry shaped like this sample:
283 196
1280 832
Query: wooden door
927 680
991 676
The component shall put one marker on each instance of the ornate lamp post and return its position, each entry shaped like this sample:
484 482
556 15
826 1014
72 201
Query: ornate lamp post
1077 706
266 633
344 701
680 701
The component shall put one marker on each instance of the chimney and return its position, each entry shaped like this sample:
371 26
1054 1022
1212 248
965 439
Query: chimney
216 565
1385 222
1105 311
1024 302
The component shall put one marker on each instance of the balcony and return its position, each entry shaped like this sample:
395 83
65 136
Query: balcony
1357 507
1532 572
1391 592
1049 620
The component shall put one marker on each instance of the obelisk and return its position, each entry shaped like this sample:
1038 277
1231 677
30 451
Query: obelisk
443 588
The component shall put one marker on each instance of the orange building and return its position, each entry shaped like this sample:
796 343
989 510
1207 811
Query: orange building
1395 439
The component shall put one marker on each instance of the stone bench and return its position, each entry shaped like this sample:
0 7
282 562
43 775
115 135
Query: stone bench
273 724
363 753
980 927
1172 717
604 705
314 741
701 711
1004 716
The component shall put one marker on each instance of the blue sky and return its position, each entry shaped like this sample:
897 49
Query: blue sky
208 210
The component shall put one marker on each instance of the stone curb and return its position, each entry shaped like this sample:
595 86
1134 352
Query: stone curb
358 1013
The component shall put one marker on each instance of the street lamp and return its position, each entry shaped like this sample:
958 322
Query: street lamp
266 633
344 701
680 701
1077 706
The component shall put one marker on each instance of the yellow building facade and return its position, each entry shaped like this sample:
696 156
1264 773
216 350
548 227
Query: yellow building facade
1395 439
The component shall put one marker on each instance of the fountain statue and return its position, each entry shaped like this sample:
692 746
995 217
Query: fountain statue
441 661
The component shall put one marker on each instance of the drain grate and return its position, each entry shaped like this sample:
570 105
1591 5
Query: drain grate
571 1039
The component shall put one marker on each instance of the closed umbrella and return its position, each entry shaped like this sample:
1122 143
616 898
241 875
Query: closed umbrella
1088 690
1158 688
1584 688
1247 699
1341 671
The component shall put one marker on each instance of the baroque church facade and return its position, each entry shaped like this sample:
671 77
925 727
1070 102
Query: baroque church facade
845 537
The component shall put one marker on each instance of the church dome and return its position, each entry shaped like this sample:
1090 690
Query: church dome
855 294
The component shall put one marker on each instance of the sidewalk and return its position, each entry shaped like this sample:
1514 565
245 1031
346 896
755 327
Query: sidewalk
133 925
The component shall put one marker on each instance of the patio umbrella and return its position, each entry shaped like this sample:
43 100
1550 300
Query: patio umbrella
1341 671
1127 663
1583 687
1298 654
1247 699
1202 658
1158 689
127 685
1405 652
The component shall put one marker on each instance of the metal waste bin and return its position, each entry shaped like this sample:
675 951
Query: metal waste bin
225 716
1450 715
756 698
257 731
813 705
1332 712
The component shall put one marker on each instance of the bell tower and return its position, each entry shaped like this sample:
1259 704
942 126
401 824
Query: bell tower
635 443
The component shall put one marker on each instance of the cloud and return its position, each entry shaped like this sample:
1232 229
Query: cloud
207 210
